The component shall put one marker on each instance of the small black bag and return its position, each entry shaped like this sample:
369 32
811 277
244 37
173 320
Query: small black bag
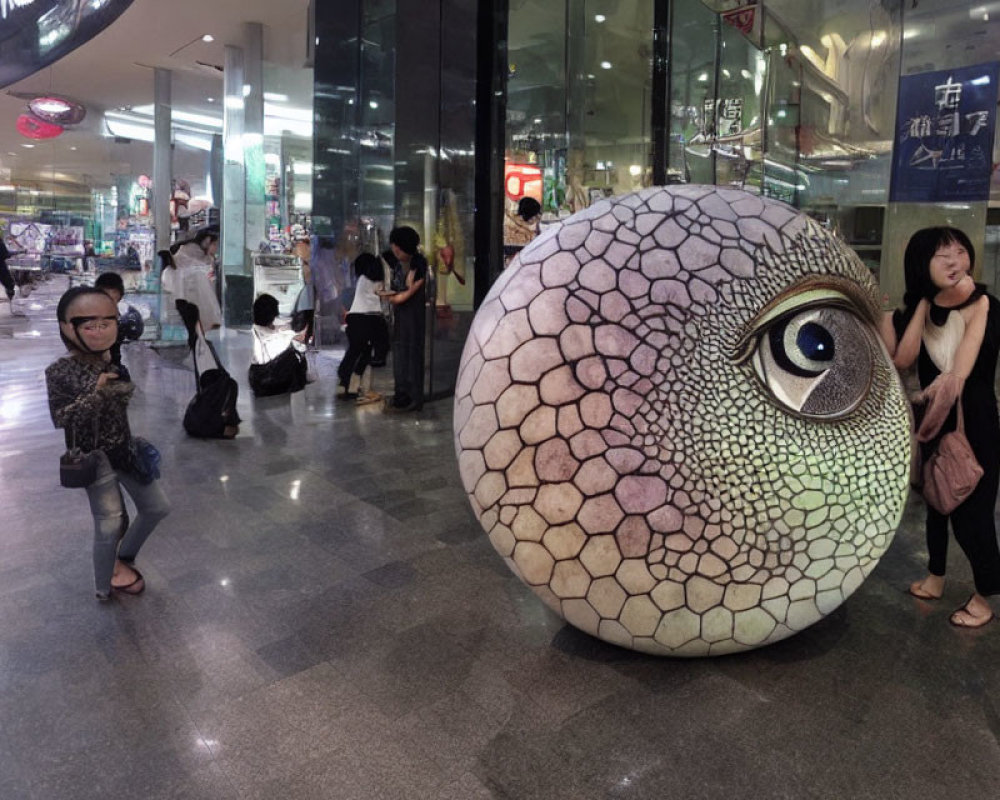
213 408
77 470
283 374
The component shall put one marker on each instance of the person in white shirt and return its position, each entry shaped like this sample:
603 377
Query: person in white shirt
190 275
365 330
278 363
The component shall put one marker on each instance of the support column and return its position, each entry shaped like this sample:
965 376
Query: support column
253 132
161 157
235 274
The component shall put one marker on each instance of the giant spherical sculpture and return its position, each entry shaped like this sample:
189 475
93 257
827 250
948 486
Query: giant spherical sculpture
676 423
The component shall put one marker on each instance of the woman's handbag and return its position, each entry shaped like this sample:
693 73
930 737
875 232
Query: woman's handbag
77 470
145 461
952 472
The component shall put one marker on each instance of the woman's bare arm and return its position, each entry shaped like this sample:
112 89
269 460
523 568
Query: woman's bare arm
908 347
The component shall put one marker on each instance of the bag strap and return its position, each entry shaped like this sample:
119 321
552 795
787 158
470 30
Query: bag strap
197 373
263 344
960 427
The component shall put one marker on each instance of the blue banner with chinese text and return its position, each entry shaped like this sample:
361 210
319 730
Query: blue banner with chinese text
943 148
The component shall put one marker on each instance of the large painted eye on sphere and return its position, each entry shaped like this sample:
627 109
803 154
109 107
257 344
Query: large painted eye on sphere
817 362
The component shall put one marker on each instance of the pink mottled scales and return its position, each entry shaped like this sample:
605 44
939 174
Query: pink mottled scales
534 359
522 291
547 312
598 277
614 340
639 494
634 284
554 462
615 305
559 387
510 333
633 537
576 342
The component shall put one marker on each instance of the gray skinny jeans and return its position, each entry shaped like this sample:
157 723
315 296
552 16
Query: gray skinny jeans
108 508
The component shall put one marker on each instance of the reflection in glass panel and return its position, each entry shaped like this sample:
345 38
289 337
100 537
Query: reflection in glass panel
694 56
535 150
579 107
610 99
377 113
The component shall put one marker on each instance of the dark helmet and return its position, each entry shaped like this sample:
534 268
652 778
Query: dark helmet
130 325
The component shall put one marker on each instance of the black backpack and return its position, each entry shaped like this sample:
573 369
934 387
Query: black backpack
213 407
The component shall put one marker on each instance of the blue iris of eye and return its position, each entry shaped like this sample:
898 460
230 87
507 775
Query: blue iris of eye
815 342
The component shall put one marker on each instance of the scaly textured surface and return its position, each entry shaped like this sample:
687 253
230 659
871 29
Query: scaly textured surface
676 423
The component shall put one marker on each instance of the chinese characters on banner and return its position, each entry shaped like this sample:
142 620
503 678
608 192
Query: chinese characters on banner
727 114
943 147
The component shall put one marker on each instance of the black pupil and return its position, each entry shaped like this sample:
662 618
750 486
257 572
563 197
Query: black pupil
815 342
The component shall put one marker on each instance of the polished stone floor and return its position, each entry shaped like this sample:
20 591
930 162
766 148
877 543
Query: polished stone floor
324 619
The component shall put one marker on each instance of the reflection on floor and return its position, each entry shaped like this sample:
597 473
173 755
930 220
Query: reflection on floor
324 619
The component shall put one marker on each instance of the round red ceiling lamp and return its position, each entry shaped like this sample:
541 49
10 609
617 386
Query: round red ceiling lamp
34 128
59 110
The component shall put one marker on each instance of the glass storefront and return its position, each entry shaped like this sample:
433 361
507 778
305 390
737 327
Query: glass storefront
579 103
793 99
394 146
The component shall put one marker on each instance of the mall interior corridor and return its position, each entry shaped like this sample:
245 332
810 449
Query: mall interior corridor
324 618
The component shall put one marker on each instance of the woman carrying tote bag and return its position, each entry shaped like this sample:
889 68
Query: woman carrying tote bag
950 327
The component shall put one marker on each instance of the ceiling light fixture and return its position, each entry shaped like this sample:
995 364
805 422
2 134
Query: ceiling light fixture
59 110
599 18
605 65
208 38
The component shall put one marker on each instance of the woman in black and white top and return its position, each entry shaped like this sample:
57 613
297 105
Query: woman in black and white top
89 400
366 330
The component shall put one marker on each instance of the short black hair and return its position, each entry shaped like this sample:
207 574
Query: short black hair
917 260
528 208
110 280
368 265
265 310
405 238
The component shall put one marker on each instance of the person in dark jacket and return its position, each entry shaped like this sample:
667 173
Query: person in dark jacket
408 299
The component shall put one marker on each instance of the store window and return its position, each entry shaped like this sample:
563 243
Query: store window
795 101
579 102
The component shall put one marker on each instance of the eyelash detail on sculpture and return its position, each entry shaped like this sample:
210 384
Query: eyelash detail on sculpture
813 354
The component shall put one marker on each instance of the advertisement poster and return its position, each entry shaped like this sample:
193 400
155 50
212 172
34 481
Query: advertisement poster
943 148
